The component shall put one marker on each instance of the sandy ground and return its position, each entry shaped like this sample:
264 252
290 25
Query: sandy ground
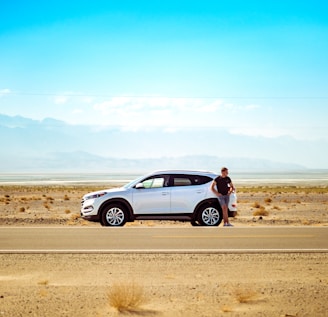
172 285
59 205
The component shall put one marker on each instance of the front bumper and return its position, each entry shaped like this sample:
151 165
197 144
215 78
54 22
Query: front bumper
91 217
88 210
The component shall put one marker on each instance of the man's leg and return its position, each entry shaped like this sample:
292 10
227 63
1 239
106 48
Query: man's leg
225 213
224 201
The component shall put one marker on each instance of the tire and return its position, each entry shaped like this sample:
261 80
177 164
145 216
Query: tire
114 215
209 215
194 223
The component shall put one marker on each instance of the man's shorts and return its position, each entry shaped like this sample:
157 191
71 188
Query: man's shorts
224 200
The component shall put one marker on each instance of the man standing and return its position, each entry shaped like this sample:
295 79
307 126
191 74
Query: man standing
222 188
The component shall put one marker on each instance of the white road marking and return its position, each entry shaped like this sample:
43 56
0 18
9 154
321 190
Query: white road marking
158 251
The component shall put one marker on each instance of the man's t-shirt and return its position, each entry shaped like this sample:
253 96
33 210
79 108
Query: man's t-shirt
222 184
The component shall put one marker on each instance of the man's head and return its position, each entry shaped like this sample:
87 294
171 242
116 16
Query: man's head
224 171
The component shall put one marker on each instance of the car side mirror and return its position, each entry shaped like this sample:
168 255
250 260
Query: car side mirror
139 186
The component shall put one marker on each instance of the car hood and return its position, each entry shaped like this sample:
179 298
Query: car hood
107 191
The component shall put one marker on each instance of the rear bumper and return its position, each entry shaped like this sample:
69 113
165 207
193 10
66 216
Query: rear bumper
232 213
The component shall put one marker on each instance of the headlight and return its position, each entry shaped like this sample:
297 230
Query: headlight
94 196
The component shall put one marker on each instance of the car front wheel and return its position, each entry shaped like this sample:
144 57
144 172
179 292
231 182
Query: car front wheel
209 216
113 216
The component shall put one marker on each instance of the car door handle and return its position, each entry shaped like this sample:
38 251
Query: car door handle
165 193
199 191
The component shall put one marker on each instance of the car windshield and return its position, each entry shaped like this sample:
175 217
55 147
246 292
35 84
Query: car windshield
134 182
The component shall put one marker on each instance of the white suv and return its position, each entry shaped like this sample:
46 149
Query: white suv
163 195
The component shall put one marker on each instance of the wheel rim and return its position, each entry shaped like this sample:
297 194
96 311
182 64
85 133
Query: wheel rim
115 216
210 216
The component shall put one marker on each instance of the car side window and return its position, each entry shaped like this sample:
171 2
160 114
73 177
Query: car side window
201 180
189 180
181 181
156 182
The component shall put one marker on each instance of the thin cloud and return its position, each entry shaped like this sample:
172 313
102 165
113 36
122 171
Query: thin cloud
77 111
175 104
167 113
87 99
65 98
269 132
4 92
252 107
61 100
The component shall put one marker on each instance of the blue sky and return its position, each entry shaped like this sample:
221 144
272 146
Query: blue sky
255 68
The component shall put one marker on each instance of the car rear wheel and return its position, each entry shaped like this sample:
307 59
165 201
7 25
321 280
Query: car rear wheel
113 216
209 216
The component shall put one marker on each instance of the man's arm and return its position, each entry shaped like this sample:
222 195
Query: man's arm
213 188
232 188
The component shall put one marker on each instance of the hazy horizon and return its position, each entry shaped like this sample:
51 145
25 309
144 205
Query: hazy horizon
286 178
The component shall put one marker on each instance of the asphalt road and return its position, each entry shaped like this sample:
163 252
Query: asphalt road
178 239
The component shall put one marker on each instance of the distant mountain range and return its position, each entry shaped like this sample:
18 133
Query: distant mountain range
86 162
51 145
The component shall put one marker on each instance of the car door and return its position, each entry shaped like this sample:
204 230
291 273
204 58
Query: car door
186 193
152 196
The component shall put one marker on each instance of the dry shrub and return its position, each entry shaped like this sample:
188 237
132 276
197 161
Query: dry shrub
6 200
66 197
127 297
256 205
75 217
43 282
21 209
226 309
276 207
67 211
268 200
261 212
46 206
244 296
